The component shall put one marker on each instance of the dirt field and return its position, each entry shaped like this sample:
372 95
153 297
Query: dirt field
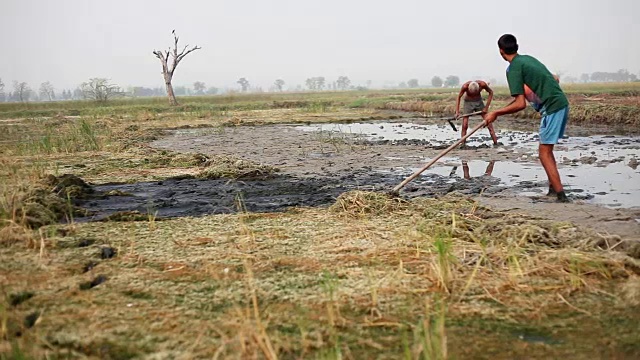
253 234
331 161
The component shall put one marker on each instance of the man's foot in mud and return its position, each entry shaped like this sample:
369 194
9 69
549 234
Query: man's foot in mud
499 144
562 197
552 192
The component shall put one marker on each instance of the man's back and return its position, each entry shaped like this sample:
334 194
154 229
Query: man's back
527 70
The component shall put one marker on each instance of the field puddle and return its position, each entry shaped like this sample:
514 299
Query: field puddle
598 169
616 185
403 132
385 131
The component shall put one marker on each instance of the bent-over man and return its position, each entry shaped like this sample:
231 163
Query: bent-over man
471 90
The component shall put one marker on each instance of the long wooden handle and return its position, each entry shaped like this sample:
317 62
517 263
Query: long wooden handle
467 115
443 153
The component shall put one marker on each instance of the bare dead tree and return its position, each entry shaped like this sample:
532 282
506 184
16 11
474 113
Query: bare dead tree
169 68
100 90
47 91
21 91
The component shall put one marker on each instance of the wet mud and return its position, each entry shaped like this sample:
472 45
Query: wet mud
176 197
319 162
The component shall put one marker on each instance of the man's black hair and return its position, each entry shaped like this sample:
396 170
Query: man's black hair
508 44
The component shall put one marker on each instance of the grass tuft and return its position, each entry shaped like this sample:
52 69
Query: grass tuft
360 203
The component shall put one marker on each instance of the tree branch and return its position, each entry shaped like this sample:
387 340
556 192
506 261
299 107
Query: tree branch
187 53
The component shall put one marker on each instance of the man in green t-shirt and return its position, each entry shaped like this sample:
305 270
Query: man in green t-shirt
554 106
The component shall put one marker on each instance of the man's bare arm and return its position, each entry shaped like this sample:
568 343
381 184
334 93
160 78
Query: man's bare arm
490 98
463 89
518 103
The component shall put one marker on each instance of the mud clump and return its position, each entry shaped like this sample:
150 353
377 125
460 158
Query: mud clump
86 243
164 158
31 320
93 283
19 298
189 159
588 160
69 186
358 203
108 252
48 201
40 207
234 168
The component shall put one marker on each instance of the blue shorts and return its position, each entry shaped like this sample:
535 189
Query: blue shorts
552 126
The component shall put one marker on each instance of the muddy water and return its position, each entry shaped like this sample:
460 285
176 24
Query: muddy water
598 169
612 188
436 135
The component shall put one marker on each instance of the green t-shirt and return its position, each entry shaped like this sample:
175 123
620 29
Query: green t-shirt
525 69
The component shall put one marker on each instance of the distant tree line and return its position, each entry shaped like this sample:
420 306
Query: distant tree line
95 89
436 81
622 75
102 90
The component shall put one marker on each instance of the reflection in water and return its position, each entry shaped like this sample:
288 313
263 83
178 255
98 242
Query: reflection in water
465 169
616 185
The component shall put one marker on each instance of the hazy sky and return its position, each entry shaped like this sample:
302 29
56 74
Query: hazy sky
68 41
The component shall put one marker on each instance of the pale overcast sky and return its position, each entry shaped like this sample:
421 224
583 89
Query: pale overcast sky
68 41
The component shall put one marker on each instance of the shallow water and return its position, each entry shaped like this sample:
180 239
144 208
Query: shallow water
392 132
616 185
598 169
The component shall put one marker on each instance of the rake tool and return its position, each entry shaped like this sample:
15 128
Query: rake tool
396 189
450 119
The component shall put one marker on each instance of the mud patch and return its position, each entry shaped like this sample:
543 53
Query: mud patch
197 197
517 182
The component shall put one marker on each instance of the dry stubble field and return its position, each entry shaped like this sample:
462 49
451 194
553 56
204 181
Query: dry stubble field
367 277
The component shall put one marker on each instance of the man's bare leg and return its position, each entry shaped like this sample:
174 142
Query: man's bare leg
465 126
548 161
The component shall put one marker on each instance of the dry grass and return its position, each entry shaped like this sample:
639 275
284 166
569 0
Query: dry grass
361 203
369 277
598 111
314 283
234 168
